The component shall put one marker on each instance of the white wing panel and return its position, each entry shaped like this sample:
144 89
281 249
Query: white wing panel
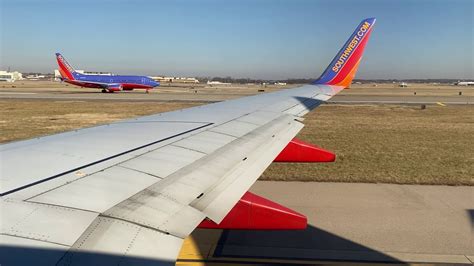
112 242
205 142
98 192
259 117
77 149
163 161
46 223
235 128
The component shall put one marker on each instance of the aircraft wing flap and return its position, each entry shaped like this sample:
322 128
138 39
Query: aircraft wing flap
265 145
158 212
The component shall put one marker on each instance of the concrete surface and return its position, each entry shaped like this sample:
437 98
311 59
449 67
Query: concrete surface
211 97
362 223
201 93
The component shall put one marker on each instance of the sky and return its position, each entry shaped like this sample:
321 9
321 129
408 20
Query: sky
267 39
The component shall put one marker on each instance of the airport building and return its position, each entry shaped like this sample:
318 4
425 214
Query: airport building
10 76
57 75
175 79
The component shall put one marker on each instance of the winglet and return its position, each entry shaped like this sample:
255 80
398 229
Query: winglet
344 66
65 69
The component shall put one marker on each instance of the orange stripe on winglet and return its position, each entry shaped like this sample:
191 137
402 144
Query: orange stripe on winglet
346 82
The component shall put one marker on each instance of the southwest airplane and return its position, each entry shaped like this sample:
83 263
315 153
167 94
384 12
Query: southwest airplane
107 83
130 192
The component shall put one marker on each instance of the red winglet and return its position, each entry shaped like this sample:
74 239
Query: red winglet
298 151
256 213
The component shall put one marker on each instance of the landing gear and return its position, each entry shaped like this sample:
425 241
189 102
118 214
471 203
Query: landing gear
146 91
104 90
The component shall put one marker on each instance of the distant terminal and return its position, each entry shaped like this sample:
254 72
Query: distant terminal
10 76
57 75
464 83
175 79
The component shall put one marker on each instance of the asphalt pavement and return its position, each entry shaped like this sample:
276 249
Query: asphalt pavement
353 222
209 96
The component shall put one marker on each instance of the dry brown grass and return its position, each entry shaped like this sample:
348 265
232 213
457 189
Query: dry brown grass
374 143
388 144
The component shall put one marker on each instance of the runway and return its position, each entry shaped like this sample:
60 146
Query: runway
210 95
350 222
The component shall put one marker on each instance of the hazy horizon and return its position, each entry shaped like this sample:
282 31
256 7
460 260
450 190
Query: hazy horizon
259 39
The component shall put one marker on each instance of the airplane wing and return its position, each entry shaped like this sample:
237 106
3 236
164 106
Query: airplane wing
91 84
129 192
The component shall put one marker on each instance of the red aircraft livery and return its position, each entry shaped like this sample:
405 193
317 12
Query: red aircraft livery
108 83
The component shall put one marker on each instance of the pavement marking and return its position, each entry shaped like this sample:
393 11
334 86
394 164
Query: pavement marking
190 250
440 104
21 93
470 258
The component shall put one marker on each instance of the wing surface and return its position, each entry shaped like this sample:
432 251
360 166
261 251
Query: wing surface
99 191
129 192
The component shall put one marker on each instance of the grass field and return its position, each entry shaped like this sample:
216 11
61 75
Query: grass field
388 144
373 143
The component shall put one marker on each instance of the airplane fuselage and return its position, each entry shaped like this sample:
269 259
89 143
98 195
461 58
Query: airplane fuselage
108 83
113 82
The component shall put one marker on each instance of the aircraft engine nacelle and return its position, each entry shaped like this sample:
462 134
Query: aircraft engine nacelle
115 87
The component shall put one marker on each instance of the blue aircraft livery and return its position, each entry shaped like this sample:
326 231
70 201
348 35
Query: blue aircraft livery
108 83
343 67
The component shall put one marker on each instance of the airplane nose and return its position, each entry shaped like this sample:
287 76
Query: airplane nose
155 83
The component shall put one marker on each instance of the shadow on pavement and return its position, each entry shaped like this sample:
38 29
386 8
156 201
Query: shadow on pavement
470 214
312 244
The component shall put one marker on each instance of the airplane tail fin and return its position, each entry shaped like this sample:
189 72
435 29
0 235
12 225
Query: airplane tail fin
344 66
65 69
